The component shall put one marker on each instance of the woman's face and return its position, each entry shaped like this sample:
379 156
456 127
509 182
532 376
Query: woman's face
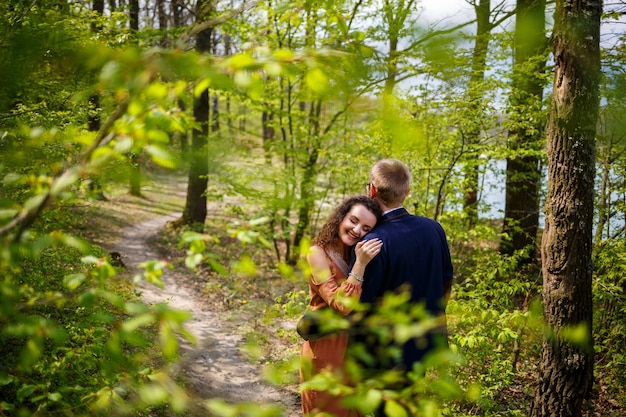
357 223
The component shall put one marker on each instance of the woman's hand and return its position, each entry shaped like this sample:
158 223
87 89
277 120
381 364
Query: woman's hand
366 250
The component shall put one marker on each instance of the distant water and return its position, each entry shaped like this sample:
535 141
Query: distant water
492 197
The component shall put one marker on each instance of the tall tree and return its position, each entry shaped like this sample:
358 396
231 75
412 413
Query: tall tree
134 157
195 210
523 170
93 121
471 135
394 15
566 368
133 14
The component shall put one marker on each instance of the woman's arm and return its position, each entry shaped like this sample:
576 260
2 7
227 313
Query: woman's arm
327 288
365 251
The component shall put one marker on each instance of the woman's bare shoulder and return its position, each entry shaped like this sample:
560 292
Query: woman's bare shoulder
317 255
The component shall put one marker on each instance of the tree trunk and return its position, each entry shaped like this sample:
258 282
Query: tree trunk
177 12
196 204
135 174
267 119
94 121
309 176
133 157
195 207
161 15
566 368
523 173
133 14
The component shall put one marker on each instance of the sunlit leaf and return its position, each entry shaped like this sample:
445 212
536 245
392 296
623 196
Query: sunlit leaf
161 156
316 80
392 408
245 266
74 281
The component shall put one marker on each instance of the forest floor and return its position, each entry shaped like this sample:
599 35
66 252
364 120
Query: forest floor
217 365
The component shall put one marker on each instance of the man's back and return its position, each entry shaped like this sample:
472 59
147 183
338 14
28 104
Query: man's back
414 252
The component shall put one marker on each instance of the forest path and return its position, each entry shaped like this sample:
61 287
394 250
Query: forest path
214 367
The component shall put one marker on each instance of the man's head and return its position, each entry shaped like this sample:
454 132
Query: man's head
389 183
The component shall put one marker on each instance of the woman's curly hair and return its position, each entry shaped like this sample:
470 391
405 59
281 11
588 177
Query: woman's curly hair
330 230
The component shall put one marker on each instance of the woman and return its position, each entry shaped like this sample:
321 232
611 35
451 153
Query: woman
330 281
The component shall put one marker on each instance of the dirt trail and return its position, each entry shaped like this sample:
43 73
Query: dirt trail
214 367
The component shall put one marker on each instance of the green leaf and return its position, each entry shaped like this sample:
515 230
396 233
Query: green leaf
74 281
7 213
54 397
25 392
153 394
316 80
5 379
169 344
221 408
158 136
201 86
161 156
245 266
66 180
284 54
193 260
239 61
392 408
218 267
137 322
31 352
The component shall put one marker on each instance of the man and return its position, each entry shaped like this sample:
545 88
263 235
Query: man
414 259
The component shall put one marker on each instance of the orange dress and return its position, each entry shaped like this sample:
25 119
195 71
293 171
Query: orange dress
326 352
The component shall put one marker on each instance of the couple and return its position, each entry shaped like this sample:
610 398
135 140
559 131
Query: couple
402 253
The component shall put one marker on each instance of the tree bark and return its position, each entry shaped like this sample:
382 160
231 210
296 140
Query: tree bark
309 176
195 207
523 170
195 210
133 14
566 368
267 119
134 159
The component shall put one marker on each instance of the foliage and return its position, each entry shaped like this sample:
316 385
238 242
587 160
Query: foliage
74 337
610 309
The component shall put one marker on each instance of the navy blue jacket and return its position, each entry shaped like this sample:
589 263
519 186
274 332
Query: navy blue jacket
415 252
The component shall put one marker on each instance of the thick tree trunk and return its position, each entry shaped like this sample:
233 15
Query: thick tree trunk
195 210
195 207
523 173
566 369
133 14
